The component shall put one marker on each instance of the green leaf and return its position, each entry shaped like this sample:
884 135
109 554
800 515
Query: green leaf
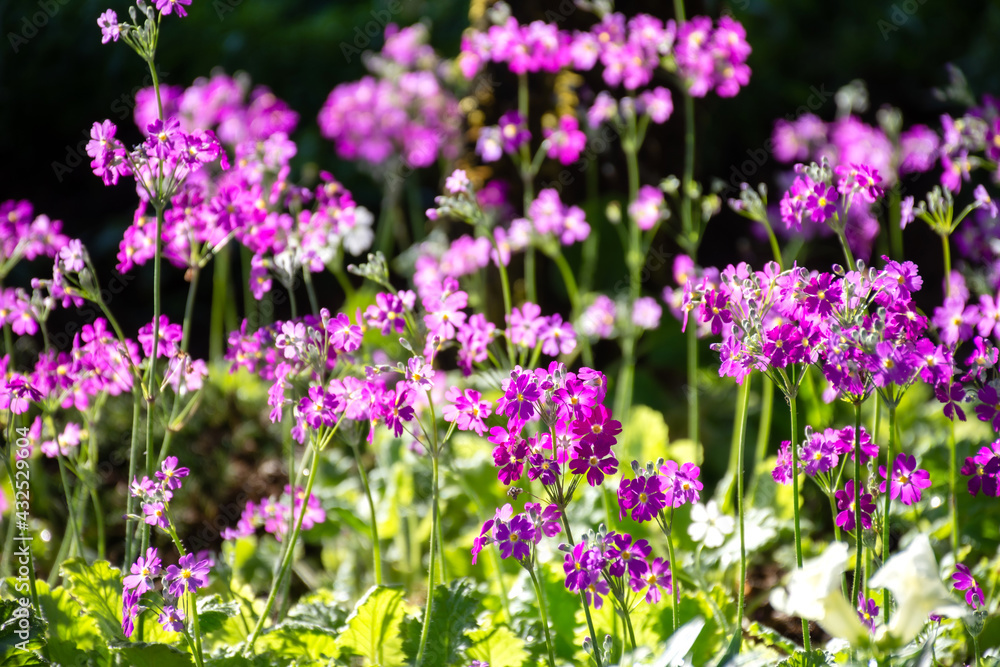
141 654
98 590
295 640
679 644
373 628
498 646
452 615
811 659
321 608
21 630
213 612
78 637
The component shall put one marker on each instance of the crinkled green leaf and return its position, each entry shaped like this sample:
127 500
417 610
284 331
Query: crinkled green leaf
213 612
452 616
304 643
498 646
98 590
373 628
815 658
15 619
322 608
141 654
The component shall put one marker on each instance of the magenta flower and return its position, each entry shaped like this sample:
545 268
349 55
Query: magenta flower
344 335
593 460
577 566
557 337
524 324
782 472
989 408
566 141
466 410
657 579
187 575
542 468
170 475
143 570
984 469
680 483
386 314
964 581
627 557
522 392
867 611
593 592
130 610
172 619
110 30
513 132
156 515
515 538
647 209
177 6
658 103
642 496
715 311
846 518
419 374
907 482
821 203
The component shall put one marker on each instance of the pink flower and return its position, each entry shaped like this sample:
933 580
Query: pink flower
566 141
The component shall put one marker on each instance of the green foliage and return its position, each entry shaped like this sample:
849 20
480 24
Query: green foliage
141 654
373 628
498 646
815 658
453 615
15 619
299 643
213 613
98 590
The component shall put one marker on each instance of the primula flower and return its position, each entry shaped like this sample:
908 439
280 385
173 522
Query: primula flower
907 482
187 575
344 335
964 581
386 314
420 374
566 141
821 203
466 410
143 570
177 6
520 396
647 209
594 460
130 610
110 30
641 496
627 558
156 515
988 409
656 581
847 516
984 468
542 468
513 132
646 313
172 619
680 483
515 538
867 611
170 475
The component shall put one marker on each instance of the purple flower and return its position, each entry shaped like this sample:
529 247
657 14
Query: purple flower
964 581
542 468
130 609
172 619
566 141
187 575
627 557
989 408
846 518
466 410
642 496
419 374
386 314
170 475
515 538
110 30
658 103
593 592
513 132
657 579
984 468
867 611
577 566
344 335
597 427
520 396
715 311
143 570
907 482
167 6
647 209
782 472
680 483
593 460
821 202
156 515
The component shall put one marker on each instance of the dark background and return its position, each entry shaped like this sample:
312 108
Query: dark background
60 79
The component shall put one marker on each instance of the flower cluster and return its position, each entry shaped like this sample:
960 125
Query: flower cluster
983 471
656 487
613 562
275 515
517 535
187 576
403 110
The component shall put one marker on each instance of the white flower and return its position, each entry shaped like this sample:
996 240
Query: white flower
813 593
913 577
708 525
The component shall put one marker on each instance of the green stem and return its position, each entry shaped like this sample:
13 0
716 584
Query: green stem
286 561
220 283
797 526
692 388
310 290
953 488
739 499
583 597
432 565
763 434
628 625
692 236
196 630
887 607
74 525
131 503
376 548
946 250
848 255
545 618
676 592
858 528
895 231
505 289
